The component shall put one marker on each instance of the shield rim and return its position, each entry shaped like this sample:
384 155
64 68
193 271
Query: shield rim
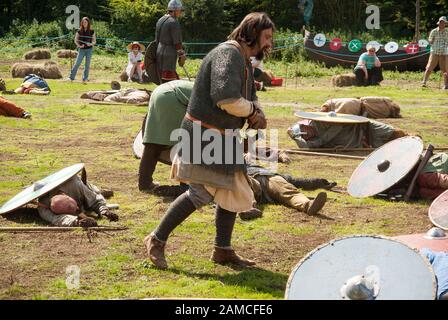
431 209
135 145
377 150
395 45
357 41
423 41
325 38
376 44
320 247
80 165
337 40
361 120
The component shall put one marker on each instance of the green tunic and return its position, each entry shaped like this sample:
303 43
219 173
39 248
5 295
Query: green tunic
167 108
437 163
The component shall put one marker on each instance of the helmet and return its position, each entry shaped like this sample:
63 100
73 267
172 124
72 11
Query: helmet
174 5
115 85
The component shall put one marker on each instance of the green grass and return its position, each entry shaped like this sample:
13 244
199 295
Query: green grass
66 130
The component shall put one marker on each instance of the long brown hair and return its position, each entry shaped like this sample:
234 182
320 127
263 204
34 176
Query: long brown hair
250 28
81 28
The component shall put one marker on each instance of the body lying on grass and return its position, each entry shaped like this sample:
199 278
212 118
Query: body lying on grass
314 134
129 96
370 107
9 109
69 204
433 181
33 84
274 188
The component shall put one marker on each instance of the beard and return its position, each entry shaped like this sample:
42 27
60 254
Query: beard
262 53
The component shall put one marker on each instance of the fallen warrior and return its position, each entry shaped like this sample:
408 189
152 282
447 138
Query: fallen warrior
69 204
273 188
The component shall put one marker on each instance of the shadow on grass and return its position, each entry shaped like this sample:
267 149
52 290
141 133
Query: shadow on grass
257 279
25 215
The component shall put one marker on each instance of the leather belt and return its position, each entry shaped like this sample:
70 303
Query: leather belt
206 125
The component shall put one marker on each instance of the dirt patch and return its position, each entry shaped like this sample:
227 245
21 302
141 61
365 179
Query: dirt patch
32 261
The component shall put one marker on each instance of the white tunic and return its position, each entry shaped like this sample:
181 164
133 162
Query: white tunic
132 58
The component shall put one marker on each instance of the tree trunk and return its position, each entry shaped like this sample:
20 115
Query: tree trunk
417 20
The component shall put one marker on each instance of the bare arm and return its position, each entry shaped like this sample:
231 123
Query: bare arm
77 40
377 62
94 39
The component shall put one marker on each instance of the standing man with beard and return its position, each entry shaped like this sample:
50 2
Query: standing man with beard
169 38
223 98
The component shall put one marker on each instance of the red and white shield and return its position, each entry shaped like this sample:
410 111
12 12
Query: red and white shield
412 48
336 44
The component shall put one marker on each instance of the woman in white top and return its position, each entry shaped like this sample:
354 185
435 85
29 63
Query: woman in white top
135 57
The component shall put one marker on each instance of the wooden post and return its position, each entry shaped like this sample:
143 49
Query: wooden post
417 20
321 154
427 156
59 229
334 149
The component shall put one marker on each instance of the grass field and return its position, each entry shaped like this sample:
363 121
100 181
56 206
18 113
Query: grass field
66 130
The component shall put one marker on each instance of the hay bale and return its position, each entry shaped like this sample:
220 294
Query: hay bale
64 54
48 70
344 80
37 54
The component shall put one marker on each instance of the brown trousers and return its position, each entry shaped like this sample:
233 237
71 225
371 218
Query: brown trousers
9 109
283 192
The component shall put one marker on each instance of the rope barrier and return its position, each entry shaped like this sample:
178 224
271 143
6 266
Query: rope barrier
346 43
296 42
324 54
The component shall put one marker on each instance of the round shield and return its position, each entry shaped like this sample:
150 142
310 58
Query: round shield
41 187
391 47
374 44
332 117
438 212
385 167
137 147
423 43
336 44
362 268
320 40
355 45
412 48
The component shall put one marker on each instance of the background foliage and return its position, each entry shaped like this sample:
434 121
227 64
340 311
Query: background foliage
211 20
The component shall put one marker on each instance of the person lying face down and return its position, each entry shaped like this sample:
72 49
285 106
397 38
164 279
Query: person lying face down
314 134
67 205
